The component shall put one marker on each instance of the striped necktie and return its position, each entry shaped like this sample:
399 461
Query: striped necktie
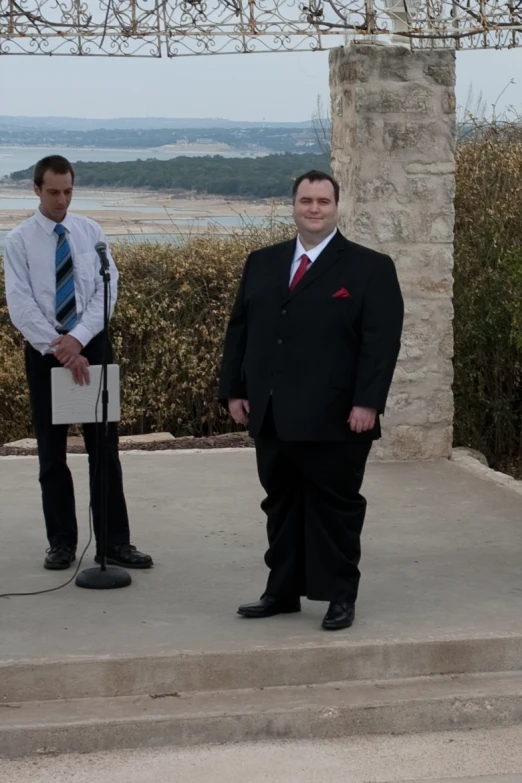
66 313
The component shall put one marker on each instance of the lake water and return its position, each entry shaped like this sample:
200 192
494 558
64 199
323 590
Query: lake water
82 203
19 158
174 236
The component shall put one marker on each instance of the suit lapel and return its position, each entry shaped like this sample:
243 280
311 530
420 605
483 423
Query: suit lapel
286 257
323 262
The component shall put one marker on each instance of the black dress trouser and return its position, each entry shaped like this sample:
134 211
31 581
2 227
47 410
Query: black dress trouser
315 514
55 476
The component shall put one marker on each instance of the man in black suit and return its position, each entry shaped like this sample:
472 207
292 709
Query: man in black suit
309 355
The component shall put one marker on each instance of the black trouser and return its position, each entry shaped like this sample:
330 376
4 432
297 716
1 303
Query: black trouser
55 476
315 514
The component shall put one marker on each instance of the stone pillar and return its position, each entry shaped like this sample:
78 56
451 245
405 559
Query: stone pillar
393 144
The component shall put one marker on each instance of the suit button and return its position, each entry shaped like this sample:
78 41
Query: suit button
283 312
280 342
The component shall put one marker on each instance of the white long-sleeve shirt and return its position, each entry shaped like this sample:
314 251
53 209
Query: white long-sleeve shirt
312 254
30 278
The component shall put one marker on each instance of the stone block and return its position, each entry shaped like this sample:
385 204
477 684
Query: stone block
417 442
440 407
366 132
407 98
362 228
373 190
428 287
449 101
425 187
340 135
446 345
152 437
408 376
436 260
337 105
414 343
393 225
444 167
419 308
404 67
437 228
443 74
428 140
402 407
421 340
354 70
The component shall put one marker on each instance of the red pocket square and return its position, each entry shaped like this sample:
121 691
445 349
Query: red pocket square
342 293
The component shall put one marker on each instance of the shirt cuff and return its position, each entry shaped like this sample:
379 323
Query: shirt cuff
82 334
44 348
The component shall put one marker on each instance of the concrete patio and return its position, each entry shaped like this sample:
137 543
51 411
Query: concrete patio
440 598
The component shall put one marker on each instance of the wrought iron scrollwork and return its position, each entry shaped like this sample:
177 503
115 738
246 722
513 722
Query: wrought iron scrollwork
173 28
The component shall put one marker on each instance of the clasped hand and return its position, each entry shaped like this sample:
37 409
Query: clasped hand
68 354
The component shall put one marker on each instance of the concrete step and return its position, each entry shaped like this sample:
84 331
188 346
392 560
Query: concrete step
303 664
481 779
330 710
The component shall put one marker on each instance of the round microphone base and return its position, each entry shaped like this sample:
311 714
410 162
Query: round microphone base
111 578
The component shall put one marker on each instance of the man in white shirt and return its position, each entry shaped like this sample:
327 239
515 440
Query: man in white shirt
54 294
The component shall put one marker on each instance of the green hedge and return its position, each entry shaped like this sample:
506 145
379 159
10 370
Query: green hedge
167 331
488 296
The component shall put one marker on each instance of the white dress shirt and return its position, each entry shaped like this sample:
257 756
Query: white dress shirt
312 253
30 278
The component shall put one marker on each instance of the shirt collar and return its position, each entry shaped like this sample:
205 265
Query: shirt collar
314 251
48 225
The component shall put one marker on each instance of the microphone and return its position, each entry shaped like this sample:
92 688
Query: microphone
101 249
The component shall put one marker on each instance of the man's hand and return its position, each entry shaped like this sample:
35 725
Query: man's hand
67 349
80 370
362 419
239 410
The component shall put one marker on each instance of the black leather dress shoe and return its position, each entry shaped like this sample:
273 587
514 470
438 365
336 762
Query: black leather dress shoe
339 616
60 557
126 555
270 605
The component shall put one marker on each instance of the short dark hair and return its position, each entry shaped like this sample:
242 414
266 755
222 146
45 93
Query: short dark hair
316 176
55 163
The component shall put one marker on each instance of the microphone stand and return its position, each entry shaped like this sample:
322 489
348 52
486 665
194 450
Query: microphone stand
105 577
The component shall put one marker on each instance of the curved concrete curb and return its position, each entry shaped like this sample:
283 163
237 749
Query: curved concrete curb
464 459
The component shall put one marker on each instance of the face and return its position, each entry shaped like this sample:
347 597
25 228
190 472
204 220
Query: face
55 195
315 210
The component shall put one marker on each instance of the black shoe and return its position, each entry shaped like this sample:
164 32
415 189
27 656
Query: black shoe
339 616
126 555
60 557
269 605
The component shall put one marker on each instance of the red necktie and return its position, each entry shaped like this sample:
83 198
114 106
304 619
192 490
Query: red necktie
301 271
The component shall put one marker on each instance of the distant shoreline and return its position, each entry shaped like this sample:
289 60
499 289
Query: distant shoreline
23 189
166 214
165 149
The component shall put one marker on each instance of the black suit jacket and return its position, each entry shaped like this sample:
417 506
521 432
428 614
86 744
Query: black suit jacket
317 355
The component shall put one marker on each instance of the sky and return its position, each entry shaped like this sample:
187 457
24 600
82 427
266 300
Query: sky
271 87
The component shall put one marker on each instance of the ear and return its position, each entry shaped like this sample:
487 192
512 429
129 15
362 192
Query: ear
37 189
